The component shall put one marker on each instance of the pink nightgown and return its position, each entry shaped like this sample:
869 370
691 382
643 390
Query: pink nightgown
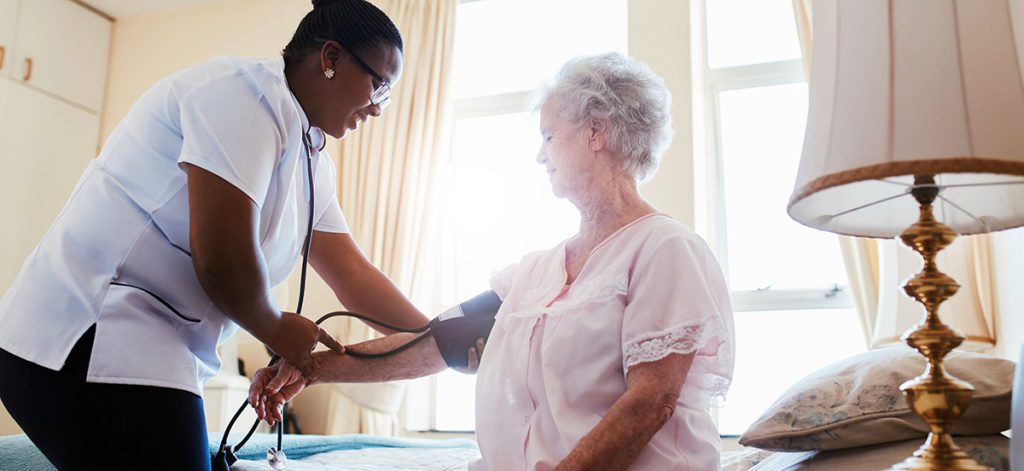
558 356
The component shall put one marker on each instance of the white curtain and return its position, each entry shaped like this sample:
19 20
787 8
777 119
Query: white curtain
387 179
971 311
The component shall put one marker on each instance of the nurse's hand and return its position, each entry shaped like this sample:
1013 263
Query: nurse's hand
296 338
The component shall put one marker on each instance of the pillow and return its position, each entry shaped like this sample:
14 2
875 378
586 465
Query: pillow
858 402
988 450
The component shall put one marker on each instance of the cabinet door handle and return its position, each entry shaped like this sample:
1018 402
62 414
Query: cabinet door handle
28 69
3 56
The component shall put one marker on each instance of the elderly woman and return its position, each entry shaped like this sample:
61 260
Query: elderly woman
608 347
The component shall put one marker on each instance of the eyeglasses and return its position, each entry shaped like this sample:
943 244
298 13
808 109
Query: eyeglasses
382 93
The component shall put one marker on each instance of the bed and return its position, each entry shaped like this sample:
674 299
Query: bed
323 453
305 452
990 450
375 453
849 416
360 453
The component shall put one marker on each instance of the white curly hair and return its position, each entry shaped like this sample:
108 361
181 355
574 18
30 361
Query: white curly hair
624 92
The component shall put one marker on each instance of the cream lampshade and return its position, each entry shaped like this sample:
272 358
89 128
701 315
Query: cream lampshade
916 128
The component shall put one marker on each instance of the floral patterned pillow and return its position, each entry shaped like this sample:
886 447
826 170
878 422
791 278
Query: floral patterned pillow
857 402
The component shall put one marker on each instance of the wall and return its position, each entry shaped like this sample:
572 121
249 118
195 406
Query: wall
7 424
659 35
147 48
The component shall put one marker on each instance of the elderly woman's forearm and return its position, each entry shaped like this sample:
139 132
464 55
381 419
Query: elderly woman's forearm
620 437
359 285
652 390
422 359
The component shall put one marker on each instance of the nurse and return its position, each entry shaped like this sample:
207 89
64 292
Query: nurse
202 198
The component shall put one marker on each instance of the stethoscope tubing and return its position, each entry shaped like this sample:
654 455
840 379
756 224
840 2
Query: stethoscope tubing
307 144
424 331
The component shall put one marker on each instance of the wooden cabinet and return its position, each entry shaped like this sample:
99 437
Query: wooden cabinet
49 123
57 47
8 22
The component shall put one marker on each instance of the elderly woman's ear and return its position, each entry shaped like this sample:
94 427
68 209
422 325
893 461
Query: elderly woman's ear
598 134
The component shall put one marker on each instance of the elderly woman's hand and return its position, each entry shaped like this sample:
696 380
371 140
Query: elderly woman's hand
474 354
273 386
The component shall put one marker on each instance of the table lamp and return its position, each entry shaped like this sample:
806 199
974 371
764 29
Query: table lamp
916 129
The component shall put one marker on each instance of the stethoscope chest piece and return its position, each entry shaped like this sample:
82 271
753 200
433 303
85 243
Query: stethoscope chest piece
276 458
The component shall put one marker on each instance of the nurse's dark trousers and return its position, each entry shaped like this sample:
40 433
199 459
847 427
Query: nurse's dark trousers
86 426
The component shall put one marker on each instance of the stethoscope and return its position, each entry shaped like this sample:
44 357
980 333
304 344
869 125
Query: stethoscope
225 456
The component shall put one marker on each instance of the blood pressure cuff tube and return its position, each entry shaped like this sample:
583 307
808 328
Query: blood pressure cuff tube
457 329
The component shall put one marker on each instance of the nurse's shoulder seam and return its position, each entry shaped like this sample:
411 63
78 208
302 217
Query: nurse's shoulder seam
262 82
264 91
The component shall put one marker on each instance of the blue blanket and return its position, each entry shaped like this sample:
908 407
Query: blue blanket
18 453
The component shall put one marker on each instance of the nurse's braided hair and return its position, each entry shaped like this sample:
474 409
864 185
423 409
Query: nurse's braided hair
356 24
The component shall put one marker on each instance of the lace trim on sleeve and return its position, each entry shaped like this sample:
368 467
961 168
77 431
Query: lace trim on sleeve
710 373
654 346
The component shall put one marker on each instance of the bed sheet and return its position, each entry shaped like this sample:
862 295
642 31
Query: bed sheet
447 459
375 459
18 453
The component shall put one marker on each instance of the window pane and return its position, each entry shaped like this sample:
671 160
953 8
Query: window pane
504 206
762 137
775 349
743 32
504 46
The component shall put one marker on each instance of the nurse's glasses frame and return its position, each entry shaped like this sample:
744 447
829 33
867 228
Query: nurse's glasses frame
382 93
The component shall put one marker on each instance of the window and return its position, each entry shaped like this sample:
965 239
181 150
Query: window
500 202
789 286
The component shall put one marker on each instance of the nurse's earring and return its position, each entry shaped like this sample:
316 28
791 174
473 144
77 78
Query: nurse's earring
329 73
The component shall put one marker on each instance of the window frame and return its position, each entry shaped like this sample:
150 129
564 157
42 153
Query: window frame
712 83
709 174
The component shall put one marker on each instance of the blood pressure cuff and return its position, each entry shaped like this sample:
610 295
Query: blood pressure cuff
457 329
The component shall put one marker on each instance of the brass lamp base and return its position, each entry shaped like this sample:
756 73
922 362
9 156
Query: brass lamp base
935 396
923 460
